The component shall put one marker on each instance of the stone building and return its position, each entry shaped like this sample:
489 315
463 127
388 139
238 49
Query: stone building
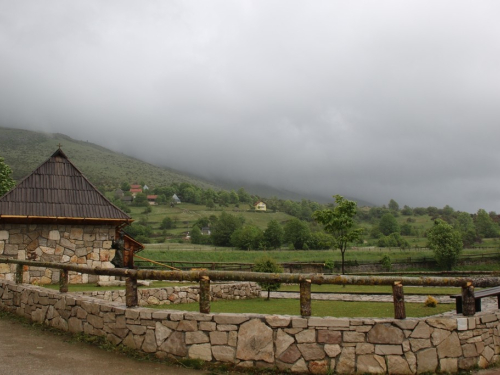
57 215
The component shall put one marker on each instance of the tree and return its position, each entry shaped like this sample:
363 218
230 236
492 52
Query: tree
223 229
267 264
6 181
297 233
485 226
465 225
167 223
388 224
247 237
393 205
274 235
141 200
446 243
339 222
196 236
125 186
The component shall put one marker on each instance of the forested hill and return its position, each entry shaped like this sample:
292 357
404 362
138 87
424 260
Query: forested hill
25 150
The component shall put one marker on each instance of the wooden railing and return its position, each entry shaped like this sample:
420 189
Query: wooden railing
204 277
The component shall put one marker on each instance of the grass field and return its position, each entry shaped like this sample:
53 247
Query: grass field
198 253
318 308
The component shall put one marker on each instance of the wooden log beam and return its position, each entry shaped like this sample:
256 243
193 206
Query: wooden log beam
19 273
292 278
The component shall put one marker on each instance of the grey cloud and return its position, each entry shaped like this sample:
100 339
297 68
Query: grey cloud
373 100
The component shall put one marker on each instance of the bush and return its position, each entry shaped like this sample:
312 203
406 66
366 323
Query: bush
386 262
431 302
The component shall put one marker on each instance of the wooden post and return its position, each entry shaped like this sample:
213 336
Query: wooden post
468 300
205 295
305 298
131 292
63 281
19 274
399 300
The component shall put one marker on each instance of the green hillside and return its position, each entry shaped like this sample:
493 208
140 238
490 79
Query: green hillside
25 150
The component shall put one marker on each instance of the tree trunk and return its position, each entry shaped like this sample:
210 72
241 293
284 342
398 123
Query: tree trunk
305 298
131 292
343 253
205 295
468 300
399 300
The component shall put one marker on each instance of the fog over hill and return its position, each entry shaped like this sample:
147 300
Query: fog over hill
368 99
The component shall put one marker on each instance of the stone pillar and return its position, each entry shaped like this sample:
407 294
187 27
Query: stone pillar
305 298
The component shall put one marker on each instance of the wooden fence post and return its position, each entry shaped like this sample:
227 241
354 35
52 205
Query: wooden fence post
468 300
19 274
131 292
205 295
398 297
63 281
305 298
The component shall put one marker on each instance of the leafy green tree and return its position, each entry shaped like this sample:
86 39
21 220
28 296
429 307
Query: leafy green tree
274 235
407 210
167 223
340 223
388 224
269 265
485 226
233 197
446 243
407 229
465 225
393 205
125 186
247 238
393 240
141 200
6 181
319 241
223 229
297 233
196 236
243 196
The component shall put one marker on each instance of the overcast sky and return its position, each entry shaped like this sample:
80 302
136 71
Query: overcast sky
368 99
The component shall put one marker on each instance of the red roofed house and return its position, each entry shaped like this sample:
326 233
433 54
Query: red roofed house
57 215
152 199
260 206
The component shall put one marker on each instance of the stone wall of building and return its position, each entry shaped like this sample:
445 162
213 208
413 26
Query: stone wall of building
181 294
84 244
314 345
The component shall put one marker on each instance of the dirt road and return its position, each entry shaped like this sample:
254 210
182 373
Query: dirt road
28 351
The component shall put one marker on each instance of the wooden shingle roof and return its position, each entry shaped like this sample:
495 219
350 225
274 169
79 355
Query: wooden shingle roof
57 190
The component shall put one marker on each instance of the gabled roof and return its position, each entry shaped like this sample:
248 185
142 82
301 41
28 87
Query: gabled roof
57 190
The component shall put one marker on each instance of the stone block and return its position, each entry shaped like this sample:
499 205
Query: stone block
350 336
224 353
427 360
318 367
200 351
388 349
421 331
372 364
328 322
448 365
329 337
308 335
450 347
255 342
398 365
197 337
282 342
385 334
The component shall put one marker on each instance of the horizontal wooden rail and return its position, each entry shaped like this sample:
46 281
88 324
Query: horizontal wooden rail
205 276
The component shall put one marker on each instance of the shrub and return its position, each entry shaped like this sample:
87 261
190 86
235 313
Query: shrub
386 262
431 302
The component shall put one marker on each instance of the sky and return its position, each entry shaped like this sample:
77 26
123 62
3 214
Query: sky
373 100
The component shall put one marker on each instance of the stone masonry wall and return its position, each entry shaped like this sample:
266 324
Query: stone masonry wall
181 294
85 244
301 345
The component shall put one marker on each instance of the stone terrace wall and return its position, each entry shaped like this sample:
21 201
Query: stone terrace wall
86 244
181 294
286 342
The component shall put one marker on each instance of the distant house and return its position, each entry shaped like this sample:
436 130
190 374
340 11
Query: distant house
145 187
205 231
152 199
260 206
135 186
176 199
135 191
127 199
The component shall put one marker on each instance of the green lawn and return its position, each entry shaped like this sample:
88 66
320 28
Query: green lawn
94 287
375 289
318 308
